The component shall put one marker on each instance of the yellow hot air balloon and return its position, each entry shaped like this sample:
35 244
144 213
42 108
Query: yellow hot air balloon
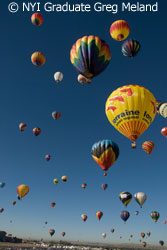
22 190
131 109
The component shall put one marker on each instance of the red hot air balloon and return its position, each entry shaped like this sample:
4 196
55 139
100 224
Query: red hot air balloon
37 19
99 215
148 146
84 217
36 131
164 131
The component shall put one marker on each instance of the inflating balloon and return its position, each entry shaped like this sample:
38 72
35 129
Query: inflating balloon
119 30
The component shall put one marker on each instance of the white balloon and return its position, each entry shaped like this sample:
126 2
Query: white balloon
82 79
163 109
58 76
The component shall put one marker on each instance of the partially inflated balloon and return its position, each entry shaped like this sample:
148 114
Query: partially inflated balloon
148 146
99 214
124 215
140 197
112 230
22 190
131 110
105 153
125 197
119 30
90 56
37 19
155 215
130 48
144 244
164 131
38 58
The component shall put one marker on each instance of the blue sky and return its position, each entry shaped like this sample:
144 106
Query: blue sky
29 94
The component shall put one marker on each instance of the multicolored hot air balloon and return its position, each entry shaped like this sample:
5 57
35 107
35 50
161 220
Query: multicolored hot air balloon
144 244
38 58
104 186
83 80
64 178
36 131
99 215
155 215
148 146
56 115
131 110
140 197
37 19
119 30
142 235
105 153
51 232
130 48
90 56
125 215
58 76
84 217
164 131
83 185
125 197
47 157
22 190
22 126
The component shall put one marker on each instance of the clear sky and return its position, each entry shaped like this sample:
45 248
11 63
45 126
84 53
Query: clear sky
30 94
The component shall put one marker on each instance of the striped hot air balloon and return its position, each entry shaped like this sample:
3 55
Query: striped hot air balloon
119 30
148 146
38 58
37 19
130 48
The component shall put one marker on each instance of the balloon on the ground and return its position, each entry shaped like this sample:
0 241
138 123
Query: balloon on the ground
22 190
125 197
130 48
90 56
119 30
125 215
36 131
37 19
155 216
83 80
131 110
148 146
105 153
58 76
164 131
22 126
38 58
140 198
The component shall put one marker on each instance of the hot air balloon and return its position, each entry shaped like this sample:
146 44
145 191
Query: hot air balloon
112 230
99 214
105 153
161 242
131 110
38 58
142 235
148 234
2 184
53 204
84 217
22 126
90 56
124 215
37 19
140 197
163 109
55 181
125 197
83 80
46 222
144 244
155 215
164 131
148 146
64 178
130 48
36 131
51 232
105 174
63 234
104 186
1 210
58 76
14 203
83 185
136 212
22 190
56 115
104 235
47 157
119 30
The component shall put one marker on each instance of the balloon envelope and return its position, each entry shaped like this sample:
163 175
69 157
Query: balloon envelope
22 190
37 19
119 30
38 58
130 48
125 197
148 146
125 215
58 76
140 197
